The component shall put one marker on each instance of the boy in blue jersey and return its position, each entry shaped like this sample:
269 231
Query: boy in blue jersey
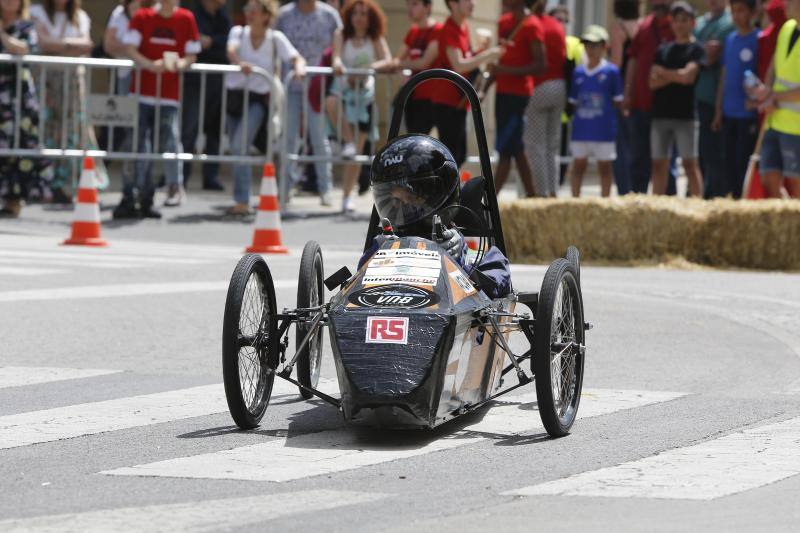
736 115
595 91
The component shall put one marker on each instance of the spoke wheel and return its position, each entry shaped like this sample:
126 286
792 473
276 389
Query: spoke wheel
249 343
559 353
310 293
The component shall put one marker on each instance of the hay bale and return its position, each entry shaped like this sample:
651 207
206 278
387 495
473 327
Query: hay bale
642 228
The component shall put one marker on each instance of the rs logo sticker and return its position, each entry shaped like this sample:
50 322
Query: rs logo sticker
387 330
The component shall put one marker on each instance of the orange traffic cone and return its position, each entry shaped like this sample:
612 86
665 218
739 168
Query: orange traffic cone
465 176
267 235
86 220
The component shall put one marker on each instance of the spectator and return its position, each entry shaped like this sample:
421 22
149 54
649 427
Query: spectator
624 28
419 51
768 38
595 90
780 99
310 26
522 37
214 25
360 44
736 115
711 30
543 132
654 31
455 53
63 29
161 60
17 37
672 78
253 45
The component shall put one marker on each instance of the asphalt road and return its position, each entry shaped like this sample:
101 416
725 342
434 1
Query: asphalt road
112 414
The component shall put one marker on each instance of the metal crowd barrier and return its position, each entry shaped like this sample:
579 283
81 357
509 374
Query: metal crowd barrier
88 68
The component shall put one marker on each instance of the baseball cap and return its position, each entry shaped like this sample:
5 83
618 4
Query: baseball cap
681 7
595 34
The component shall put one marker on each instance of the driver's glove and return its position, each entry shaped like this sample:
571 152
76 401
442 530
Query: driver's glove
453 242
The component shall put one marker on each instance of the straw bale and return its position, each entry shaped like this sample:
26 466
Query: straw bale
639 228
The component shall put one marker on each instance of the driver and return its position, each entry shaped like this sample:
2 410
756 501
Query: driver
414 178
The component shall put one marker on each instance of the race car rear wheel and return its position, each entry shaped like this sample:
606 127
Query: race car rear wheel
559 348
249 341
310 293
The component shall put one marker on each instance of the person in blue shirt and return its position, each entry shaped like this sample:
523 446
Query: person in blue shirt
736 114
595 91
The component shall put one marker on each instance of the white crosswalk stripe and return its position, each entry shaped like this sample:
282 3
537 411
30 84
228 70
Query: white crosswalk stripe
35 427
728 465
19 376
210 515
334 451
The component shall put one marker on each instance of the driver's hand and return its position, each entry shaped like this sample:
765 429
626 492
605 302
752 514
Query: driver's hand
452 242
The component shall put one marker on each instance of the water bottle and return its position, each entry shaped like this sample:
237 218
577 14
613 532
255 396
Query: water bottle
751 83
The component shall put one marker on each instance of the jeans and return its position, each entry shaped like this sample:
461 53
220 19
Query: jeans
740 136
317 131
622 168
711 149
641 162
241 140
190 121
169 141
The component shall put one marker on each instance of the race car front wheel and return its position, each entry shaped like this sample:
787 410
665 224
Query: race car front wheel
310 293
559 348
249 341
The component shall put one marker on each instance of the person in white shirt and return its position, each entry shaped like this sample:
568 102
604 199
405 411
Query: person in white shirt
253 45
64 30
114 39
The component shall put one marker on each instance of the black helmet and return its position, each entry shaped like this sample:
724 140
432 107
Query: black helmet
413 178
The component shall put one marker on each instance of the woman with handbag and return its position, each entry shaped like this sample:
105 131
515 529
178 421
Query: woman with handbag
254 44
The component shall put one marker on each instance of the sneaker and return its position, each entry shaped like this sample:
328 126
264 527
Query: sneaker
325 199
175 196
126 210
349 150
147 211
213 185
348 205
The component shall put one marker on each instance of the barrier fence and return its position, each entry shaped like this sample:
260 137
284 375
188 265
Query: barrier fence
100 89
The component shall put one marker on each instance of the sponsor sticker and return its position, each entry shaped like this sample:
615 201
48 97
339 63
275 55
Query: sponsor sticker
406 265
463 281
394 296
387 330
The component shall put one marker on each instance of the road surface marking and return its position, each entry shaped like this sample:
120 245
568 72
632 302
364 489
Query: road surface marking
143 259
28 271
77 261
728 465
129 289
326 452
36 427
20 376
209 515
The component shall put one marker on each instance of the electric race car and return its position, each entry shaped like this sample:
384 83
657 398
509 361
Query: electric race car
416 340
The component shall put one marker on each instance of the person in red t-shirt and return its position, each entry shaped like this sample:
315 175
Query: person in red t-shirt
163 43
455 53
419 51
543 132
654 31
523 38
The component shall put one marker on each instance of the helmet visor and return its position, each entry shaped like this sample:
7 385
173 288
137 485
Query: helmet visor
405 202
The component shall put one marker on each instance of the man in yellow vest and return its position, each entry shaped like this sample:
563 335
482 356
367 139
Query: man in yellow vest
780 153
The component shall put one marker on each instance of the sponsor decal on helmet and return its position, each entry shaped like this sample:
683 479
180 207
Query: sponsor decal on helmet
387 330
394 297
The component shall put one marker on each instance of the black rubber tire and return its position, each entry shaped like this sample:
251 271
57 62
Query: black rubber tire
573 255
312 275
560 272
249 416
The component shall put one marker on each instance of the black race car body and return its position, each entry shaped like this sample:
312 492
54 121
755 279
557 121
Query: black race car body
408 349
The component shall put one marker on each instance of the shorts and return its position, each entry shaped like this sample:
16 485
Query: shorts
780 152
600 151
665 132
509 110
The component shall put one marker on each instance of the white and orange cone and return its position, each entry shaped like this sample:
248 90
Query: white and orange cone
86 220
267 235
